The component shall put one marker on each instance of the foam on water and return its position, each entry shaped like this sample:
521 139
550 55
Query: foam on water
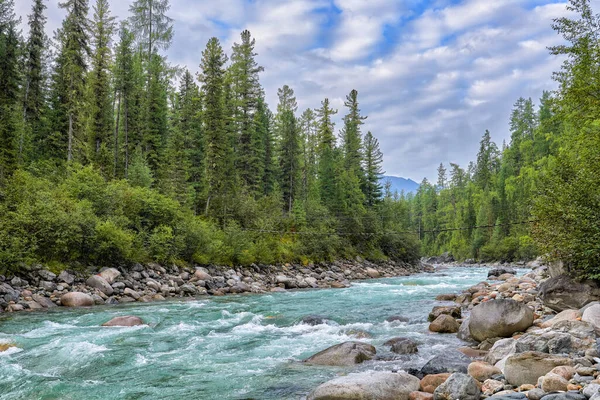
231 348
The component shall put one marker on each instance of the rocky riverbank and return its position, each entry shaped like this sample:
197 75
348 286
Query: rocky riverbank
526 337
39 289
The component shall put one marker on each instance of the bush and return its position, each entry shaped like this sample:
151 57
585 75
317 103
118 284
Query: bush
113 245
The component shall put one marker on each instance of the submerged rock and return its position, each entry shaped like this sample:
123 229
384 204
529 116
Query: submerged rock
344 354
128 320
372 385
314 320
402 345
499 318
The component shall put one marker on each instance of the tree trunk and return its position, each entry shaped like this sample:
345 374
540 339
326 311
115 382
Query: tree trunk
70 139
126 116
117 136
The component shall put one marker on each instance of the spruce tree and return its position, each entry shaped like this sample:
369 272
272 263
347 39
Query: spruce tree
289 145
351 135
246 94
35 85
327 155
102 140
152 27
212 77
373 170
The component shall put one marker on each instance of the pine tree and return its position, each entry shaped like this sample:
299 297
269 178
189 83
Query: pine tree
246 92
9 89
69 83
212 77
35 90
289 145
327 155
152 27
373 170
102 140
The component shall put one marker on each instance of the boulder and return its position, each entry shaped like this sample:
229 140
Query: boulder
431 382
110 275
458 386
453 311
43 301
482 371
131 293
463 331
66 277
403 346
444 324
446 297
591 315
526 368
202 275
47 275
566 315
48 286
371 385
499 318
448 361
552 382
502 348
98 282
128 320
501 271
76 299
344 354
561 293
372 273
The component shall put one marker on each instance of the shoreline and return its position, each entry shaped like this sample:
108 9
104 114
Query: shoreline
39 289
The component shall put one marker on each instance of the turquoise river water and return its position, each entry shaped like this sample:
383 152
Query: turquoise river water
234 347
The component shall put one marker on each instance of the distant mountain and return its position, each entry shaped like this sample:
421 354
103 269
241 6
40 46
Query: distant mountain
400 184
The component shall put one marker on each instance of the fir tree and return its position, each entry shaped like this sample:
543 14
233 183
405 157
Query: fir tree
327 154
373 170
289 145
152 27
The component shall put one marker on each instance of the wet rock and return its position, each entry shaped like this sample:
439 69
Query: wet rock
32 305
499 318
448 361
458 386
344 354
397 318
43 301
453 311
128 320
529 366
76 299
501 271
481 371
446 297
6 346
561 293
314 320
431 382
367 385
98 282
444 324
402 346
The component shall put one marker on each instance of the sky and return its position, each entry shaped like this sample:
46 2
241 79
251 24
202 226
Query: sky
432 75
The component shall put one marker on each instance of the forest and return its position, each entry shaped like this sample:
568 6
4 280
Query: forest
110 154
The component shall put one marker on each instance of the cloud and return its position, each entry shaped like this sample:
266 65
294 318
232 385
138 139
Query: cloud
432 75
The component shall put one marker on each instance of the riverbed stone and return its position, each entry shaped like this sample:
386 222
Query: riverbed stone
501 348
420 396
481 370
397 318
430 382
458 386
448 361
499 318
128 321
565 396
566 315
591 315
403 346
314 320
444 324
529 366
453 311
66 277
371 385
98 282
76 299
202 275
562 292
343 354
491 386
552 382
372 273
43 301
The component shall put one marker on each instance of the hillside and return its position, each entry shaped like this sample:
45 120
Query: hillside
399 184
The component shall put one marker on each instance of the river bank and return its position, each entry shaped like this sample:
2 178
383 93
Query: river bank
39 288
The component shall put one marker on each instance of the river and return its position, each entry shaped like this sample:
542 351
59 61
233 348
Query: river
233 347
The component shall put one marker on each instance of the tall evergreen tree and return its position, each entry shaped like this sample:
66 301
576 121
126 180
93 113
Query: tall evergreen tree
152 27
351 135
289 145
373 170
327 154
35 85
100 124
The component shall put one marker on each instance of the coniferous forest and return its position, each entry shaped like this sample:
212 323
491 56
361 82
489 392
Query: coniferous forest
110 154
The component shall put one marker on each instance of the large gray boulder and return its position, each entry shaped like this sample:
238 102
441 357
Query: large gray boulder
561 293
343 354
448 361
591 315
526 368
502 348
76 299
371 385
458 386
110 275
499 318
98 282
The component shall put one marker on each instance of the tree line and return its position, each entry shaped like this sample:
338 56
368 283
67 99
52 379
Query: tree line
111 154
541 190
